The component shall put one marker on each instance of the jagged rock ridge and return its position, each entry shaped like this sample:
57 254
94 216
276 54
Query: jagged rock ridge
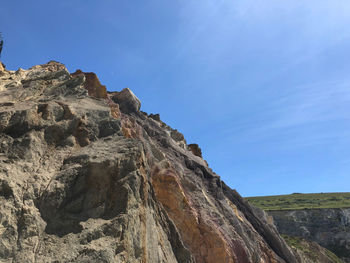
85 176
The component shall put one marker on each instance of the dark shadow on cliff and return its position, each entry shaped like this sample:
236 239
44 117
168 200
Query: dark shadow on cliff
93 190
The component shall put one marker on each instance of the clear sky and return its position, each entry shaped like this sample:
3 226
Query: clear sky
262 86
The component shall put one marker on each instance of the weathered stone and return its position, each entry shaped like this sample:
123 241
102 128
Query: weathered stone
194 148
155 117
92 84
177 136
127 101
310 251
328 227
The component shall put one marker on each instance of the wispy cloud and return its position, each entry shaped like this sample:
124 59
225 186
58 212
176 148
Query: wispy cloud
303 115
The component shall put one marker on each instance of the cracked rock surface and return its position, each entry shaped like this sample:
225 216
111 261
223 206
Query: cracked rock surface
85 176
329 227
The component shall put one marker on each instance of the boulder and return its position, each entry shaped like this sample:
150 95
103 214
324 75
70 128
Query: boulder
127 101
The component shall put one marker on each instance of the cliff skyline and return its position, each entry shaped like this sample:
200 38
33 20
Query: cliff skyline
261 86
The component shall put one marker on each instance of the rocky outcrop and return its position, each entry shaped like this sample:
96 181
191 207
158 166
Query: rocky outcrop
92 84
126 100
194 148
86 177
328 227
310 251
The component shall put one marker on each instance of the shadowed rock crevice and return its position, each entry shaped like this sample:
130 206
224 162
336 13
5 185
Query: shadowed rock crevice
5 190
91 190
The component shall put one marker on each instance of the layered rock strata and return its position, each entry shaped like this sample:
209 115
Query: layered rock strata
310 251
85 176
328 227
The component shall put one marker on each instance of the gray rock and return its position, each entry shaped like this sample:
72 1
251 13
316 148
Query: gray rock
195 149
328 227
155 117
177 136
127 101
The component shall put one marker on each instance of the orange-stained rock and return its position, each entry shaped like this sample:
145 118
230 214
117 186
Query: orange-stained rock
115 111
204 241
129 127
92 84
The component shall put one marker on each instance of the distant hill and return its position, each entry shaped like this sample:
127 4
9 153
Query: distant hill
310 251
323 218
298 201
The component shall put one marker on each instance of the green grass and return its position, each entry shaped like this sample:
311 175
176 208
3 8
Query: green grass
309 250
296 243
301 201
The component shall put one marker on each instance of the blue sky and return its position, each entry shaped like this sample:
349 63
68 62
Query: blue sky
262 86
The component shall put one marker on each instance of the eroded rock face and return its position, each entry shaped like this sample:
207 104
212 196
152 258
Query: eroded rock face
92 179
328 227
92 84
127 101
310 251
195 149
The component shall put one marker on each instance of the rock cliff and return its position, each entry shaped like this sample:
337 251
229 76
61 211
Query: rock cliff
328 227
85 176
310 251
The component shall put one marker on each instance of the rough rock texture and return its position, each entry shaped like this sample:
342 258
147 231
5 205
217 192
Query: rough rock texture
328 227
92 84
194 148
310 251
127 101
92 179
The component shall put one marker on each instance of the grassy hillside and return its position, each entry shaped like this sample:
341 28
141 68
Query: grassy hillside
311 251
301 201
